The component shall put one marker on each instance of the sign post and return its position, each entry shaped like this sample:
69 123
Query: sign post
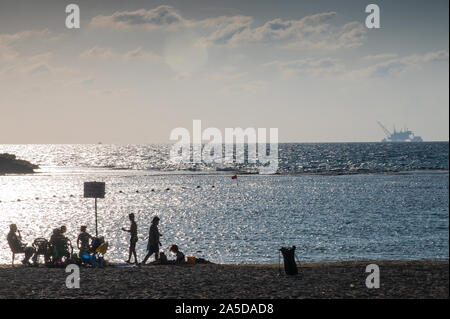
94 190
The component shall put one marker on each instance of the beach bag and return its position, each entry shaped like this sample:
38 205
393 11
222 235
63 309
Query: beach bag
290 266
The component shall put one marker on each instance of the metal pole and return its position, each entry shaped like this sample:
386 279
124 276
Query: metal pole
96 229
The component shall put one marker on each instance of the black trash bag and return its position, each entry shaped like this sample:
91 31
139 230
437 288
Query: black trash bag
290 266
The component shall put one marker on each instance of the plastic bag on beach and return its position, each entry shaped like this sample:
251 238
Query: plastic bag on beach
290 266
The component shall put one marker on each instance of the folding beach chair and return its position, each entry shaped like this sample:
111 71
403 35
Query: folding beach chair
42 248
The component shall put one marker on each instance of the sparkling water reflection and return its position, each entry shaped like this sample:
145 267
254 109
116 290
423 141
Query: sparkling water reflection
398 216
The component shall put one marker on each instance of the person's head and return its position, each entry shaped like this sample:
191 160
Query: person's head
155 220
83 228
173 249
13 227
131 216
63 229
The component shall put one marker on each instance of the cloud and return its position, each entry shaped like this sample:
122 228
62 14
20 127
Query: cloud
34 64
352 35
388 68
400 65
438 56
225 28
7 53
98 52
160 17
141 54
15 60
108 53
293 30
222 21
314 67
313 31
384 65
8 42
23 35
380 57
231 73
40 68
309 32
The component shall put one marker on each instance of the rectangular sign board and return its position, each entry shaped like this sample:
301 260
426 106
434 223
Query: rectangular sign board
94 190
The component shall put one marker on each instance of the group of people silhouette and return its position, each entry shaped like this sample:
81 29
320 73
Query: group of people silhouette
59 249
55 250
153 244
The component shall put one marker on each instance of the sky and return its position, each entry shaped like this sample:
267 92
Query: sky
136 70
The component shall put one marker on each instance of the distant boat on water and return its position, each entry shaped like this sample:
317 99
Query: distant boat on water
403 135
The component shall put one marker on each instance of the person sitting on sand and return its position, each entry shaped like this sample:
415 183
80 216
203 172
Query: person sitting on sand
180 256
17 246
153 240
83 241
133 239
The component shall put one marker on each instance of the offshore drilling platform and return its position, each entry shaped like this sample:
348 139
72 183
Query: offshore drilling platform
404 135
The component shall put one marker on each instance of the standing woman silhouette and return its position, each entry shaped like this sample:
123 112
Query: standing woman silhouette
153 240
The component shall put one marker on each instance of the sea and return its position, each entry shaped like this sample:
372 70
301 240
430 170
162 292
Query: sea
333 201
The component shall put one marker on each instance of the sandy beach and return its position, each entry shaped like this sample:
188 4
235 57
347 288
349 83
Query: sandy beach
398 279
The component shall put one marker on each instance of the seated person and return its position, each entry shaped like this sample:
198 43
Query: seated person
180 256
60 244
83 241
16 245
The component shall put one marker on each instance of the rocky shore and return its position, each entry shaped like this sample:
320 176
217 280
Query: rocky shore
9 164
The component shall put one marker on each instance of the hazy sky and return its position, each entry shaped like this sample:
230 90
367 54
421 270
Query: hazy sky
137 69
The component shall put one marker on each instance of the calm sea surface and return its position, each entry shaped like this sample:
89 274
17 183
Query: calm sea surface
341 201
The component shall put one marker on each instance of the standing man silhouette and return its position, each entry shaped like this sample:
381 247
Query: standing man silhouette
133 239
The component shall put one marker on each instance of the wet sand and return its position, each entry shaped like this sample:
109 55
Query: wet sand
398 279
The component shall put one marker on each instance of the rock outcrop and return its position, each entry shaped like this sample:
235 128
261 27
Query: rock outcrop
9 164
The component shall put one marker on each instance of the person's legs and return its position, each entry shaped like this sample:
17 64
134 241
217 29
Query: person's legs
29 252
55 256
133 250
35 258
129 254
151 250
58 255
67 255
147 257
